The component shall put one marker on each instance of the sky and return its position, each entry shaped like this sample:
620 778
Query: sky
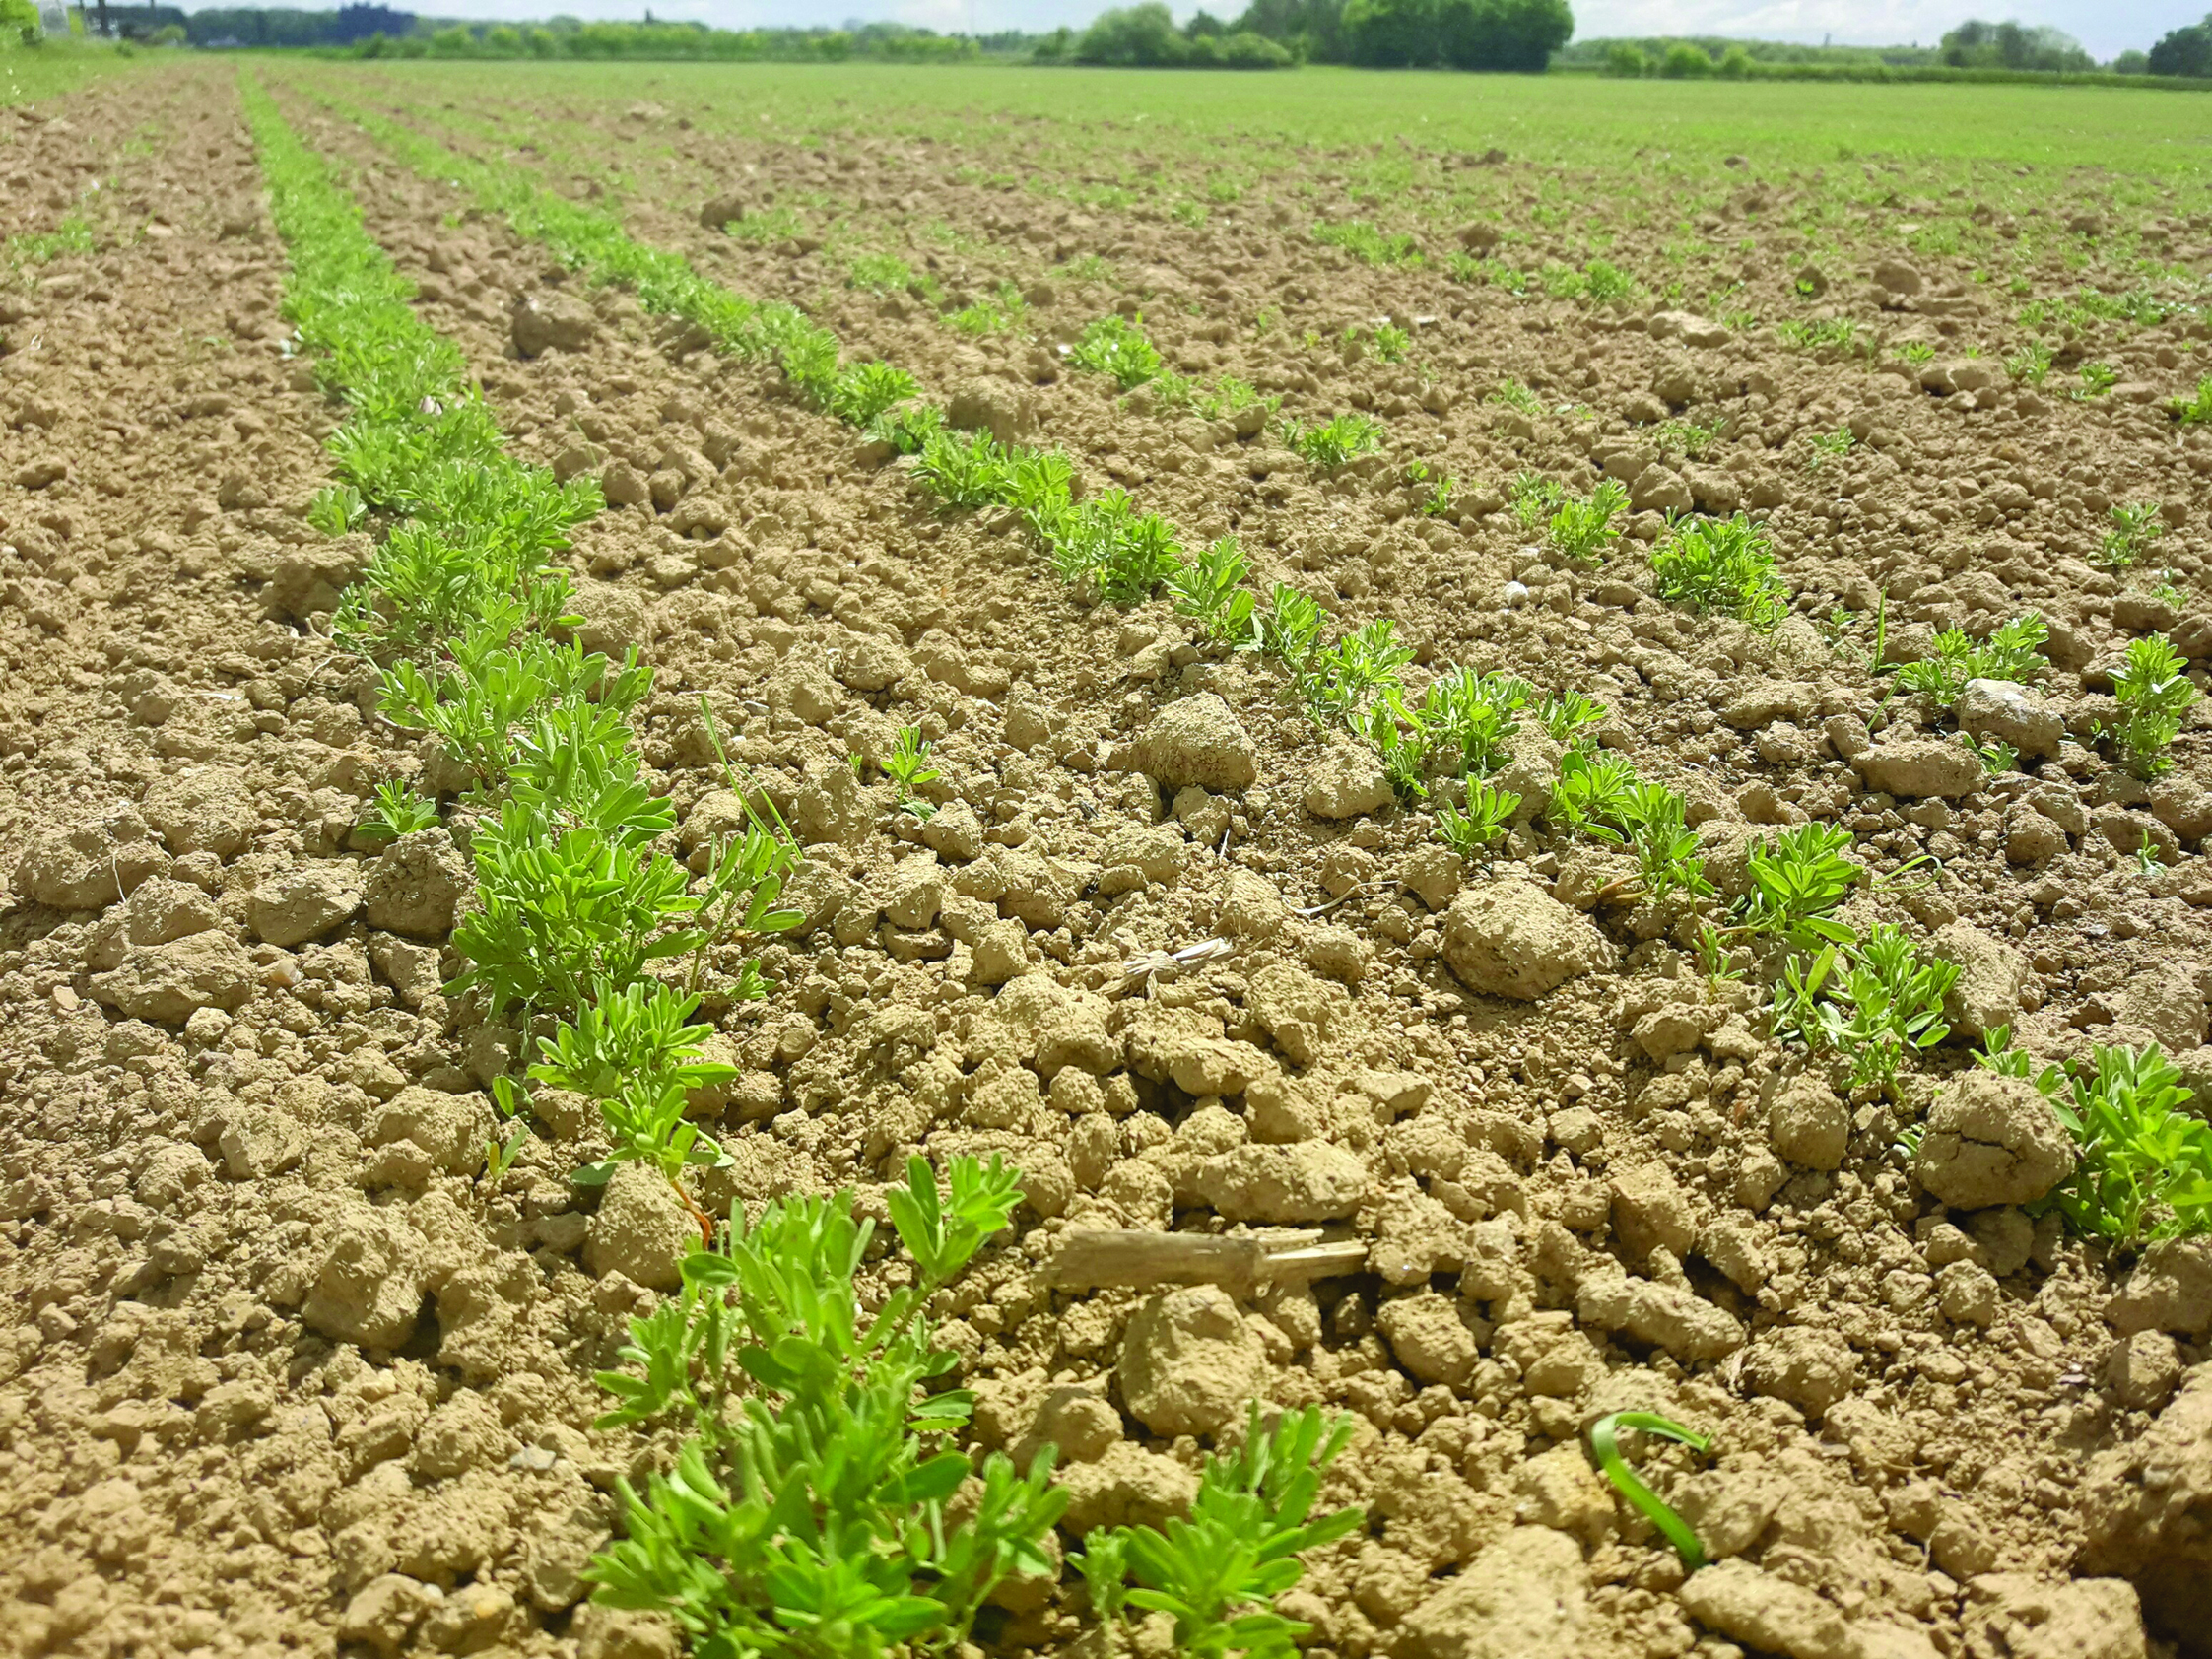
2105 27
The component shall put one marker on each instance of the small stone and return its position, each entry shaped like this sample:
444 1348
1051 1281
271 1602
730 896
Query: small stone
1004 411
207 809
1810 1368
369 1286
1967 1293
416 884
1430 1339
1993 978
1808 1124
2003 709
1198 741
641 1229
1767 1613
1921 767
546 319
1189 1361
1510 939
1523 1596
720 209
170 982
1992 1140
1301 1182
1348 781
304 902
383 1613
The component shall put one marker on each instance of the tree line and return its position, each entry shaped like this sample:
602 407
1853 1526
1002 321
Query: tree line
1497 34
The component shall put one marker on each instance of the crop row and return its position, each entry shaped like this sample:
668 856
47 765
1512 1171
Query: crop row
812 1506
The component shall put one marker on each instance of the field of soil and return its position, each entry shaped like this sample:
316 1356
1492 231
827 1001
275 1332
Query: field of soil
284 1366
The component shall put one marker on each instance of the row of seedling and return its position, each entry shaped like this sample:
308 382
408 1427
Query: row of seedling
811 1497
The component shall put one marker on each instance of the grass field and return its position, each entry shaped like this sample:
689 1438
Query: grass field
1557 120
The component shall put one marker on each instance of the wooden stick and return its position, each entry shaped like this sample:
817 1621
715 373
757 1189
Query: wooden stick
1240 1265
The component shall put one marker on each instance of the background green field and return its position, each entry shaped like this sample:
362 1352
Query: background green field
1555 119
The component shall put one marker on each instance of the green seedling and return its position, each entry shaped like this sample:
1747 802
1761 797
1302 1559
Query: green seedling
1593 796
1468 717
1104 541
2133 530
2031 364
1335 442
1210 590
1917 353
1583 531
2154 695
2013 651
1872 1000
398 811
1341 680
1723 566
1669 858
1602 1439
1997 757
1290 628
2196 409
964 471
864 393
2097 378
337 508
817 1504
1388 342
1833 334
1403 753
1534 498
880 273
1490 812
1565 714
907 428
1513 395
1687 438
1828 446
1230 397
1438 502
909 768
1117 346
1218 1572
1799 878
1368 245
2146 1162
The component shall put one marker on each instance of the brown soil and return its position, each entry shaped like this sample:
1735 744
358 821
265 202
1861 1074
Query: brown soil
284 1369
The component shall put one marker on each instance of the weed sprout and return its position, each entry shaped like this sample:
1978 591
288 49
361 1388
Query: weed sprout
1329 446
1723 566
2153 694
1118 346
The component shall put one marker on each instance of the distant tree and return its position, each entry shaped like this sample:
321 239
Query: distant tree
1132 35
19 19
1686 62
1976 44
1146 35
1626 60
1313 28
1510 35
1204 25
1735 64
2186 51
